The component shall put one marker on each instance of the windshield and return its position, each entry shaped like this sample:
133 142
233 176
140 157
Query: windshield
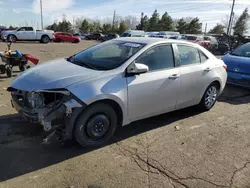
125 35
161 33
243 51
106 56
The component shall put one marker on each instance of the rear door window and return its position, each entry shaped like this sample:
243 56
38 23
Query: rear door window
188 55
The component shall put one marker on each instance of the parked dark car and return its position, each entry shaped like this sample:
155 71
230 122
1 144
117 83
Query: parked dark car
81 35
94 36
211 43
109 37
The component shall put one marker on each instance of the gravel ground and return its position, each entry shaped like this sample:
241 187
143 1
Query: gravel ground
176 150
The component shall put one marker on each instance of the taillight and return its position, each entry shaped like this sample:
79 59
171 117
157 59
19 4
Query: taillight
225 66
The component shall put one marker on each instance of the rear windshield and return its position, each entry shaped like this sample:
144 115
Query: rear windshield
243 51
189 37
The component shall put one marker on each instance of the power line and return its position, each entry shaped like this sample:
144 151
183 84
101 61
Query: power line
205 5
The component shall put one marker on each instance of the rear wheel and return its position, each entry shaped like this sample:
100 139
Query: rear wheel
45 39
96 125
210 97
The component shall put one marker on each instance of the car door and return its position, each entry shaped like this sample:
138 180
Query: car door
68 37
30 33
195 70
21 33
154 92
62 36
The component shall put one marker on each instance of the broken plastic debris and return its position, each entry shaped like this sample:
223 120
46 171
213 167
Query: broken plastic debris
177 128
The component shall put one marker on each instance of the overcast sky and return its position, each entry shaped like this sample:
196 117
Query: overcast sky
16 12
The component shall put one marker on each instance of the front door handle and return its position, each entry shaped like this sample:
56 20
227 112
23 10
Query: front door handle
174 76
208 69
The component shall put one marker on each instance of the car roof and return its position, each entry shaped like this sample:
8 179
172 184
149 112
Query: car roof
151 40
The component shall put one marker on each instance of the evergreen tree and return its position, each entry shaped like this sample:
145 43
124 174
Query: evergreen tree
241 24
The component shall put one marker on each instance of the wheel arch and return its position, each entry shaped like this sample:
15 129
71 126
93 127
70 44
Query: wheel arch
10 35
70 122
45 35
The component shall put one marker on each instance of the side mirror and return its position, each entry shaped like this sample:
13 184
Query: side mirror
137 68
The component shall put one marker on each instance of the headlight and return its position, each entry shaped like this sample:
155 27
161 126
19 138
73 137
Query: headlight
34 100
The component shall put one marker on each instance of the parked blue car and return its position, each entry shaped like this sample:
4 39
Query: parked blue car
238 66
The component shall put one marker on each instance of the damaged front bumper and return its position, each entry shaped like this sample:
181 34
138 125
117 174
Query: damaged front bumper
46 114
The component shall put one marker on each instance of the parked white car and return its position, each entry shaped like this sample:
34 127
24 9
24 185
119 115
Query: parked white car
134 33
28 34
118 82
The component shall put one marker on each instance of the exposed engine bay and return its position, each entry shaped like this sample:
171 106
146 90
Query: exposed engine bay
44 106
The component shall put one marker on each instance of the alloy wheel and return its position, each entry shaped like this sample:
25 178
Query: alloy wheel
211 96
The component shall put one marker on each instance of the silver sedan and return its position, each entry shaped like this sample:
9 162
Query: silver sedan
115 83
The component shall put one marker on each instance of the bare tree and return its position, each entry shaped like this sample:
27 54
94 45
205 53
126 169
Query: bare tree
130 21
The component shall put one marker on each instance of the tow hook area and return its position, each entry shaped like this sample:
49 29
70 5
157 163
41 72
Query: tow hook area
65 109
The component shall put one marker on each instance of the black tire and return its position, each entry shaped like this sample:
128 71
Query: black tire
9 72
45 39
203 106
21 67
58 40
76 41
87 124
2 69
12 38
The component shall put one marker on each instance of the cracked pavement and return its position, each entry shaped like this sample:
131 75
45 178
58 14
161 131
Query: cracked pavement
208 150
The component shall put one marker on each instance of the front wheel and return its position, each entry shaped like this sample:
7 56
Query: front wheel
96 125
21 67
76 41
2 69
209 98
9 71
12 38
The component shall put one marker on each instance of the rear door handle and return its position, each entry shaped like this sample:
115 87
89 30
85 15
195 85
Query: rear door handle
208 69
174 76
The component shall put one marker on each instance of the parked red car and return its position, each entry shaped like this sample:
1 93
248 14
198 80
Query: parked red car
66 37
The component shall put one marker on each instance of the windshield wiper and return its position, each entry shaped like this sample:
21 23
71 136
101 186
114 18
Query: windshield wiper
85 64
235 54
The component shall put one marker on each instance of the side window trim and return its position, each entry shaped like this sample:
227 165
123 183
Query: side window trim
202 53
157 45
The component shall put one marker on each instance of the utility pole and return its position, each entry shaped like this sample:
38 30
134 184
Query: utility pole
73 24
231 25
206 29
41 6
230 19
113 21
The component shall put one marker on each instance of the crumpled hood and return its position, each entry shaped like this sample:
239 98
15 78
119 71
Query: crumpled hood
53 75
